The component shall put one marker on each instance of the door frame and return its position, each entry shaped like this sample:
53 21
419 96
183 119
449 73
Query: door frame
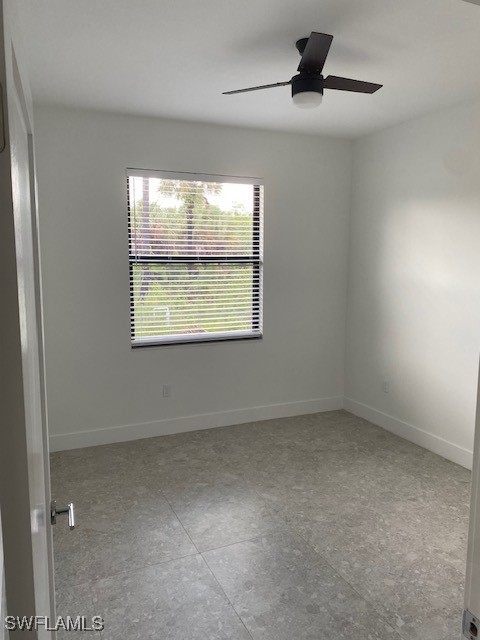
472 584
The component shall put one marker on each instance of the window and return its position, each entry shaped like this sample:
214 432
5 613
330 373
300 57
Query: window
195 248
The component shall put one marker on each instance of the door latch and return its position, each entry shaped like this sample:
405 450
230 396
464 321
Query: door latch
471 626
56 511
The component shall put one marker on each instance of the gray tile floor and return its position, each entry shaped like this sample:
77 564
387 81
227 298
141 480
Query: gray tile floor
315 527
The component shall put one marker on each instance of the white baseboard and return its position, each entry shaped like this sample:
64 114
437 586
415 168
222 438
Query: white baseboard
424 439
109 435
123 433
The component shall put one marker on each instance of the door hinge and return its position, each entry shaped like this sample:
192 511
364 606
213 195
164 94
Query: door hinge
471 626
2 121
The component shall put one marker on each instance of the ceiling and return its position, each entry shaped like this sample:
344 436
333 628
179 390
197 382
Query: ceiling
173 58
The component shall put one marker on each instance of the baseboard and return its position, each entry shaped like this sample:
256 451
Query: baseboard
423 438
123 433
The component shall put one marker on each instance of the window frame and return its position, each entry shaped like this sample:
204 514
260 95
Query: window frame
255 259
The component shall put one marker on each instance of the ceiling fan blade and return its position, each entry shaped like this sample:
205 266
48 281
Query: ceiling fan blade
316 52
263 86
346 84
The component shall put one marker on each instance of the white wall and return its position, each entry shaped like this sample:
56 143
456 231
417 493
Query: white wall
95 382
414 280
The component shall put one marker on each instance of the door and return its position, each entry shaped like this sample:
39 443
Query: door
24 492
471 623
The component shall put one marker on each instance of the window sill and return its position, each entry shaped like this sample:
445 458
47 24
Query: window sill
141 343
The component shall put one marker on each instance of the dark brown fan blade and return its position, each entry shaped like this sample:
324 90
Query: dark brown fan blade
346 84
316 52
263 86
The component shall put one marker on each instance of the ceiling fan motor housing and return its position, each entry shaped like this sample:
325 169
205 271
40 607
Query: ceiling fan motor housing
307 82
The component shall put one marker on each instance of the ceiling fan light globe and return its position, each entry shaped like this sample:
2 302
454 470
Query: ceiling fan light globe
307 99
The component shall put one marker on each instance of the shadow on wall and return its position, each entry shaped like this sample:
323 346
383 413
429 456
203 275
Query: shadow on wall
414 308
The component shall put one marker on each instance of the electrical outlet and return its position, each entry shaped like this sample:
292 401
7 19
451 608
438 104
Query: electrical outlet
386 386
166 390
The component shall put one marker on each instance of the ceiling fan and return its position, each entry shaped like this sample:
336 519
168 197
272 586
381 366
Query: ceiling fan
309 83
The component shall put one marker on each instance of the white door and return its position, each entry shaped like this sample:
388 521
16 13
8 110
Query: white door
472 587
25 492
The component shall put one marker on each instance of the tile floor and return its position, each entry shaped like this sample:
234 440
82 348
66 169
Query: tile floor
316 527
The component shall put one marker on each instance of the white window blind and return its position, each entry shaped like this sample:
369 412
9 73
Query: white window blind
195 250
